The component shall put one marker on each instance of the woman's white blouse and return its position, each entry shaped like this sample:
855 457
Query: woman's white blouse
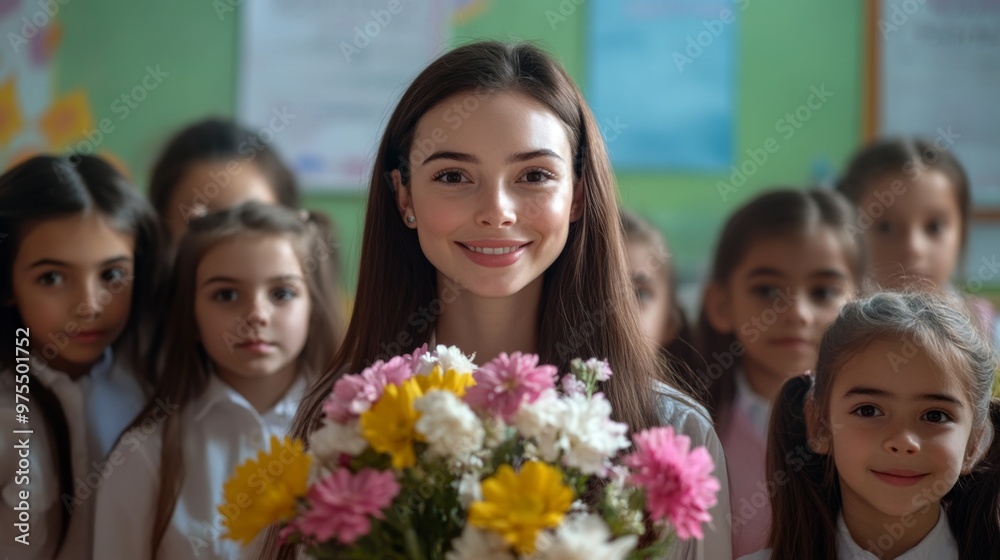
939 544
694 421
98 407
221 429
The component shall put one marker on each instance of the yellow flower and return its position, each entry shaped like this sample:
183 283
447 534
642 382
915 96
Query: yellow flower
519 505
389 425
264 490
450 380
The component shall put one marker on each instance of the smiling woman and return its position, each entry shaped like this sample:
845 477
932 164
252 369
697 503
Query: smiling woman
492 225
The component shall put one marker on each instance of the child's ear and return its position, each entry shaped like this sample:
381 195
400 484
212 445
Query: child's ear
978 444
403 200
819 436
576 207
718 309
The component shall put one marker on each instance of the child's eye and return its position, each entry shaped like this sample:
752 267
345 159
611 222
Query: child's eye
937 416
226 294
935 227
113 274
450 176
643 294
283 294
537 176
884 227
826 293
766 292
867 411
51 278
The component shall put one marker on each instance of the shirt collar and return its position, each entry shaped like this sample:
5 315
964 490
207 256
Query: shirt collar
757 408
218 392
102 369
939 544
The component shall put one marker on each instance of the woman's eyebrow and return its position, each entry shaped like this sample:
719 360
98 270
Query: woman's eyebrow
457 156
525 156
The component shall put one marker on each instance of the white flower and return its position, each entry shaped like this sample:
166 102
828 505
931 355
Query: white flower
328 442
588 437
474 544
448 357
577 427
497 431
469 489
542 420
582 538
450 427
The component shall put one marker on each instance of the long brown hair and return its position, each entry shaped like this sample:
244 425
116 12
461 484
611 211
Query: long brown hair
773 213
186 367
586 309
804 510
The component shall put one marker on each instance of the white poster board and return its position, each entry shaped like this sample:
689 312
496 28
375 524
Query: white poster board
319 79
940 78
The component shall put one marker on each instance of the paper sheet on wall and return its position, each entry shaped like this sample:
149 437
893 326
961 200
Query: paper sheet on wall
30 38
939 79
661 81
328 75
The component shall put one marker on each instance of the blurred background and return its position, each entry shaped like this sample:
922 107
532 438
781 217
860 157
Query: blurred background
702 103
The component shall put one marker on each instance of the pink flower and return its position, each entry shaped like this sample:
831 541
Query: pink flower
507 382
342 503
677 482
354 394
572 386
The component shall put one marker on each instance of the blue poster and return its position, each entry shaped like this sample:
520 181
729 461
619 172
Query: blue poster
661 81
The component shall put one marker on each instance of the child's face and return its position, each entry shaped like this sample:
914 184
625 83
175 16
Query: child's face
494 175
215 185
901 428
780 300
72 284
252 306
652 290
919 235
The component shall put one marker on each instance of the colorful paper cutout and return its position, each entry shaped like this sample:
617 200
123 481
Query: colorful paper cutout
67 119
42 48
11 120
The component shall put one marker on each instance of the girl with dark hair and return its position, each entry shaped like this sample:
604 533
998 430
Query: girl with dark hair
785 263
890 450
214 164
914 205
80 255
655 283
250 324
492 225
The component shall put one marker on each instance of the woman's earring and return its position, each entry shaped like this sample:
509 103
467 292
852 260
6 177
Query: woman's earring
411 219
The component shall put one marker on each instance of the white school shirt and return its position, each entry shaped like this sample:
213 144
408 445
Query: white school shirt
221 431
694 421
939 544
97 407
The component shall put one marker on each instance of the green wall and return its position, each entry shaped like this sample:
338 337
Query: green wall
785 48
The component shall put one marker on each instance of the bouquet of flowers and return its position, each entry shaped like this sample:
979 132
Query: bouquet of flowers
427 457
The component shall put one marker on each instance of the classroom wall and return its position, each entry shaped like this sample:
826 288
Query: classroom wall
786 48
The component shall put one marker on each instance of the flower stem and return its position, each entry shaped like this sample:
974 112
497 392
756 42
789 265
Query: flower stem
412 544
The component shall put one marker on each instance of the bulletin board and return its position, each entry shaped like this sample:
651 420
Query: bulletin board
933 70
